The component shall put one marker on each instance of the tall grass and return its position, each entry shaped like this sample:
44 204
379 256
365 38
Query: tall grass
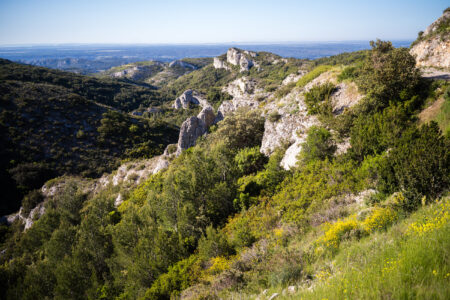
405 262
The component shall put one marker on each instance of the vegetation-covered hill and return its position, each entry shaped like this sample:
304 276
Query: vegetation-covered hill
363 212
155 72
54 122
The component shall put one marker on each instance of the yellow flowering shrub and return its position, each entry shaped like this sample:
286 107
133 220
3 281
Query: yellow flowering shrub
380 218
336 232
440 218
219 264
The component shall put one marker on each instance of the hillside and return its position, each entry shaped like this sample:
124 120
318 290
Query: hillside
154 72
54 123
324 179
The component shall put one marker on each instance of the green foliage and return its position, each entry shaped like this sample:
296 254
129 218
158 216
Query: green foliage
30 201
374 133
244 129
319 145
310 76
350 72
318 101
274 117
213 244
346 58
388 74
419 165
391 263
443 117
177 278
250 160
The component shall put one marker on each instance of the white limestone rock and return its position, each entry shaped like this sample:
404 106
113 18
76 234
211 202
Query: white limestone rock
190 131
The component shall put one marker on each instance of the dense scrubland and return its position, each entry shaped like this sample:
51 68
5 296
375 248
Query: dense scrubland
223 220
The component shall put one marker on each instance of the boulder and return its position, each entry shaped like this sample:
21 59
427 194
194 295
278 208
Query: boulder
189 97
190 131
207 115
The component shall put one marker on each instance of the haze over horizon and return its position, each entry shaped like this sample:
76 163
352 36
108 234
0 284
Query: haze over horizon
32 22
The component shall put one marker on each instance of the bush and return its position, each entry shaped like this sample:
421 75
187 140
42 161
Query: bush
30 201
250 160
318 99
319 145
379 219
348 73
213 244
274 117
419 166
387 72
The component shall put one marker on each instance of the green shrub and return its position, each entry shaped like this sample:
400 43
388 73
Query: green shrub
318 101
250 160
319 145
419 165
387 73
274 117
32 199
350 72
213 244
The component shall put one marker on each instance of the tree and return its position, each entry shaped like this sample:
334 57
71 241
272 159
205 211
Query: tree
319 145
388 74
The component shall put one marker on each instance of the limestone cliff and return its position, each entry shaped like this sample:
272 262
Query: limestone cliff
432 48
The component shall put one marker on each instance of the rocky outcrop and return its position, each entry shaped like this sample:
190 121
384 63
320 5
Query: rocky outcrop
220 64
190 131
189 97
290 128
244 92
294 77
345 96
433 52
240 58
207 115
432 49
195 127
236 57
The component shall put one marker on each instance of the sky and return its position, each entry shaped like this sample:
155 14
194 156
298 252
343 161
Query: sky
25 22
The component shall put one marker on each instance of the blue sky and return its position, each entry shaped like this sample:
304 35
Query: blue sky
203 21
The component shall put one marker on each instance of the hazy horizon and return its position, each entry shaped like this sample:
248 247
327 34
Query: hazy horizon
177 22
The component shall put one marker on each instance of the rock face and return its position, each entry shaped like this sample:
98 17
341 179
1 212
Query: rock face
346 95
244 92
433 49
290 128
190 131
432 53
220 64
189 97
207 115
236 57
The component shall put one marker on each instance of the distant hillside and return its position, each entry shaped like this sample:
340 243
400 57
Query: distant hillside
155 72
52 122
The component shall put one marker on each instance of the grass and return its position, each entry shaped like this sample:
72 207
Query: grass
443 117
401 263
312 75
